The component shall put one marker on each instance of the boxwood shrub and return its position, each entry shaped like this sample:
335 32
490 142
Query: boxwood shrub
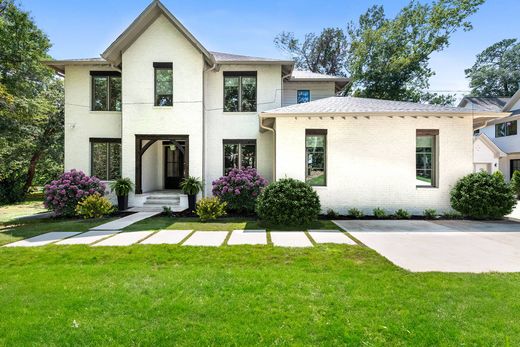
288 202
483 196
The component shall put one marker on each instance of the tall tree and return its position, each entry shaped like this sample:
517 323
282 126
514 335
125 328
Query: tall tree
323 53
496 71
385 58
388 58
31 102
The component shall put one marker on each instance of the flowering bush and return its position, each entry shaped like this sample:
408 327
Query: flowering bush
239 188
63 194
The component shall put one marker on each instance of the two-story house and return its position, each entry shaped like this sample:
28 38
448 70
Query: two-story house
497 141
158 106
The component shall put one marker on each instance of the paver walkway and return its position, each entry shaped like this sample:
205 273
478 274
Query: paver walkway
248 237
171 237
124 239
122 223
206 238
44 239
88 237
330 236
290 239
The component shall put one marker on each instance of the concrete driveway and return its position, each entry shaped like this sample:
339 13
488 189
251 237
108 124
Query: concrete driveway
445 246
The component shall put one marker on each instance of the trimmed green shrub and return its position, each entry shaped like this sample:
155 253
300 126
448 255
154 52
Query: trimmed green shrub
289 202
210 208
483 196
430 213
331 214
379 213
515 183
355 213
94 206
402 214
452 215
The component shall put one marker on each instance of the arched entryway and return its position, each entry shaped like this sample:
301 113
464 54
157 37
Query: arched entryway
176 158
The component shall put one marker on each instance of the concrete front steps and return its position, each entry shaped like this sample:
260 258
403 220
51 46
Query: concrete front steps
155 201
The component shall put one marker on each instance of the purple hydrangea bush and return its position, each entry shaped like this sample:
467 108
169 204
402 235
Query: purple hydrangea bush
239 188
63 194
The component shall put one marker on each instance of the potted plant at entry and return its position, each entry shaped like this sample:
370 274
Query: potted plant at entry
122 187
191 186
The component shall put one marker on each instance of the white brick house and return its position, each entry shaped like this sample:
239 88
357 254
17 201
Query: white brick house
158 106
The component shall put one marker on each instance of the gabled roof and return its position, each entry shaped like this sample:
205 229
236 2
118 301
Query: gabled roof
140 24
361 106
490 144
492 104
512 101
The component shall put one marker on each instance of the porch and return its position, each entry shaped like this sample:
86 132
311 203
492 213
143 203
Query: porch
155 201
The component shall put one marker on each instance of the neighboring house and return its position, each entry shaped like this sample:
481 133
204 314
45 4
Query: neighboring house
497 141
158 106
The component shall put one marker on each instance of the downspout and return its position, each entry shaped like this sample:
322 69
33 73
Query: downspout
274 144
212 68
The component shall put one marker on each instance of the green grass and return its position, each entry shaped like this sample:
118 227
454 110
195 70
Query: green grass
241 295
27 208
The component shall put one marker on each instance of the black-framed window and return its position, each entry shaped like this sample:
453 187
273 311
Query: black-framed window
105 158
426 158
506 129
106 91
316 157
163 81
303 96
514 165
240 91
239 154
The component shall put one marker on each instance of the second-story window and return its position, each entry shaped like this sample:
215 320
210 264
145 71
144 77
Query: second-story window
106 90
506 129
163 84
303 96
240 91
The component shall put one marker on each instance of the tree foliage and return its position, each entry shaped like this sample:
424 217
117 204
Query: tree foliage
323 53
31 105
386 58
496 71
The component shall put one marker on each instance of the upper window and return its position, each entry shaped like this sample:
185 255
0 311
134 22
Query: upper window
316 157
239 154
106 90
163 84
303 96
240 91
105 158
505 129
426 158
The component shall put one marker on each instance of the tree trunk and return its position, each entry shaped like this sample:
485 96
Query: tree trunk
32 170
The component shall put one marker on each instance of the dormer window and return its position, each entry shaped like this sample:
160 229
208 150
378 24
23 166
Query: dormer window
240 91
106 91
163 84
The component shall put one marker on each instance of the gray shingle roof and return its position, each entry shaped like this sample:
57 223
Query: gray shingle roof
484 104
228 57
348 104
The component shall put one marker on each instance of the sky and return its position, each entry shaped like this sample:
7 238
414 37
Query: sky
85 28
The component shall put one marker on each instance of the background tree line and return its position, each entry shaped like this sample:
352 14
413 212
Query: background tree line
387 58
31 106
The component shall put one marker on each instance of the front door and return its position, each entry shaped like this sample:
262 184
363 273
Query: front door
173 165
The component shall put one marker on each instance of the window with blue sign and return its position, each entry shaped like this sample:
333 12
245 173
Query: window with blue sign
303 96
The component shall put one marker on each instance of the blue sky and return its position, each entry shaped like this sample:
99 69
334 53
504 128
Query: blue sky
84 28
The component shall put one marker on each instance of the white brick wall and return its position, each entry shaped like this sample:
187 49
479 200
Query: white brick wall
371 162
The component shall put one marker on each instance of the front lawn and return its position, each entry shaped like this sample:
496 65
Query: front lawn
242 295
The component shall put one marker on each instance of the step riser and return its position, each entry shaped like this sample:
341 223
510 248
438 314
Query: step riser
162 197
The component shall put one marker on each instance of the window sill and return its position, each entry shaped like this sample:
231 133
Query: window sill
319 187
107 112
162 107
240 113
426 187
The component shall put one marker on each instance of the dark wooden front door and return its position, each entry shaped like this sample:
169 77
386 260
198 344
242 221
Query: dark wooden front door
173 166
